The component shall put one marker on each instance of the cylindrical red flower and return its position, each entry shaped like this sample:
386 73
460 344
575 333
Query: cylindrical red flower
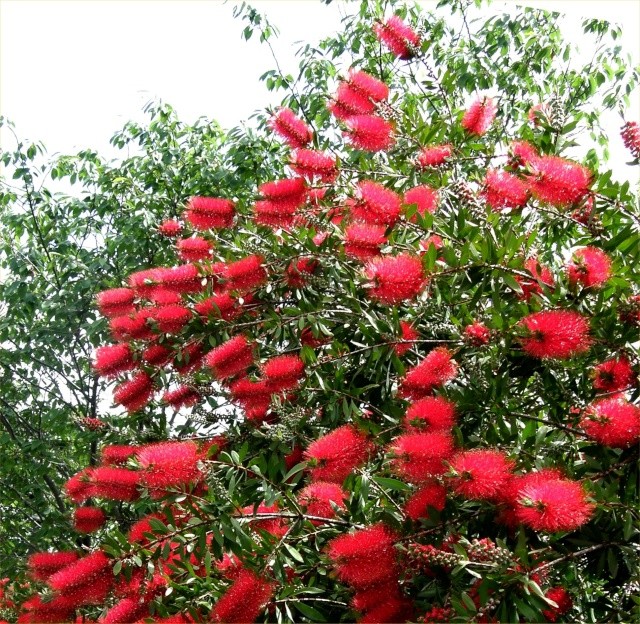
313 164
614 375
400 38
434 155
231 357
222 305
117 454
477 333
298 272
135 393
209 212
557 181
185 278
363 240
540 272
194 249
245 274
436 369
88 519
428 495
589 266
408 334
283 372
521 154
168 464
395 279
430 414
114 359
370 133
555 334
81 572
612 422
170 319
562 598
244 600
417 457
504 190
43 564
182 396
480 474
335 455
630 134
113 483
318 498
116 302
291 128
424 197
479 116
376 204
170 227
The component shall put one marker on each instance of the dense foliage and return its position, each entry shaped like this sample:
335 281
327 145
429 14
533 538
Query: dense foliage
378 357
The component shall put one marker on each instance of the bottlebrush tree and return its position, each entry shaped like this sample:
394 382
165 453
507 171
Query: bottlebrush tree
403 365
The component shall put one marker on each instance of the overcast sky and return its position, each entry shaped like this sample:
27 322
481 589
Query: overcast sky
72 72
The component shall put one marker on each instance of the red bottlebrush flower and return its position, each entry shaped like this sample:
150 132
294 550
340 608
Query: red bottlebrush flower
189 359
370 133
335 455
614 375
291 128
43 564
409 334
430 414
124 611
230 358
245 274
540 272
185 278
79 487
429 495
145 282
583 213
168 464
283 372
92 424
88 519
293 458
170 227
308 339
424 197
589 266
194 249
311 163
274 215
182 396
349 101
135 393
222 306
375 204
318 497
433 240
118 484
275 526
288 193
254 396
125 328
162 297
157 355
434 371
117 454
434 155
562 598
417 457
395 279
81 572
555 334
521 154
557 181
171 319
34 611
479 116
395 609
365 557
116 302
435 615
504 190
111 360
244 600
477 333
367 598
209 212
363 240
368 85
549 503
297 272
630 134
480 474
612 422
401 39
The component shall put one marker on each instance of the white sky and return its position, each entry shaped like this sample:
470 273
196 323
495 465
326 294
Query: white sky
72 72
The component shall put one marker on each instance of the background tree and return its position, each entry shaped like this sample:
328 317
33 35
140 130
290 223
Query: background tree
414 322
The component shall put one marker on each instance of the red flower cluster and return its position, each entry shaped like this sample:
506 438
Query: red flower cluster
194 249
182 396
562 598
540 272
430 494
424 197
283 372
230 358
504 190
434 155
114 359
612 422
135 393
358 95
480 474
335 455
630 134
479 116
557 181
395 279
408 334
313 164
430 414
116 302
319 499
477 333
376 205
170 227
417 457
435 370
204 213
43 564
245 274
244 600
555 334
282 200
84 581
298 272
291 128
401 39
168 464
614 375
589 267
363 240
88 519
522 153
370 133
